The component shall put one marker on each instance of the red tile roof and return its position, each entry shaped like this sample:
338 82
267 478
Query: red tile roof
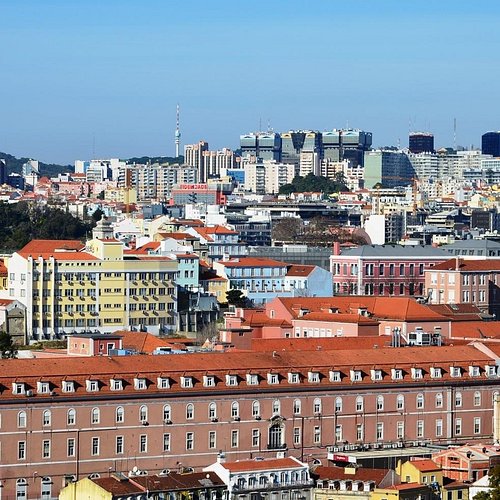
317 344
141 341
475 329
339 318
45 246
361 474
425 465
468 265
296 270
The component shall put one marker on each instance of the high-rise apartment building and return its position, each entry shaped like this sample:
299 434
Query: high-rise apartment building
214 161
346 144
421 142
263 145
389 168
268 176
490 144
193 156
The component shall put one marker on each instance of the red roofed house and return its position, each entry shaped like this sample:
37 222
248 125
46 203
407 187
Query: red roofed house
466 281
221 241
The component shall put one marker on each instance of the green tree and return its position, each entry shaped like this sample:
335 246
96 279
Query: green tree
494 493
7 347
236 298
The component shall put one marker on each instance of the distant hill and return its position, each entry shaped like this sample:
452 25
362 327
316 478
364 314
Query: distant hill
15 165
155 159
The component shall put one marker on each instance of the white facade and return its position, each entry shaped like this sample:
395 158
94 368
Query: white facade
268 176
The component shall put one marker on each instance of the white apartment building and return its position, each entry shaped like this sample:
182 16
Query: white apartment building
268 176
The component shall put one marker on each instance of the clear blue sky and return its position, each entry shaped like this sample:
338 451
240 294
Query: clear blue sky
113 70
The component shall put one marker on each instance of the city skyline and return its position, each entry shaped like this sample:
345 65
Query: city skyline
90 80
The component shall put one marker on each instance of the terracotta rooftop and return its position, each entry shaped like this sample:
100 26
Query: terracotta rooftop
45 246
469 265
317 344
300 271
361 474
425 465
475 329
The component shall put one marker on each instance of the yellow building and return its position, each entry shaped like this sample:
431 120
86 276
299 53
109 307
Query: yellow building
405 491
423 471
69 287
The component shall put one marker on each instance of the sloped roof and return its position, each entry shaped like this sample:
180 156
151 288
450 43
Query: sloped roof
300 270
475 329
44 246
361 474
469 265
403 251
425 465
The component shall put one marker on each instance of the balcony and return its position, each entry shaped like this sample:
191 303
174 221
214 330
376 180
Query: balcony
273 446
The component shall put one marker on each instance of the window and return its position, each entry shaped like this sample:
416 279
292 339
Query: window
231 380
186 382
95 416
439 427
359 403
21 450
397 374
234 439
317 434
21 419
335 376
356 376
189 411
116 384
143 443
420 428
119 415
68 386
477 398
167 414
140 384
235 409
275 435
276 407
166 442
189 440
313 377
163 383
143 414
71 417
377 375
209 381
317 406
458 399
273 378
43 387
70 447
255 438
359 432
293 378
439 400
455 371
252 379
435 372
400 430
380 403
416 373
119 445
338 433
255 409
400 402
92 385
296 407
338 405
380 431
458 426
46 417
21 489
477 425
420 401
95 446
212 440
296 435
212 411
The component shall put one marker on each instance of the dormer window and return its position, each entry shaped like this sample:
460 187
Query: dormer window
356 376
474 371
68 386
435 372
335 376
491 370
18 388
231 380
417 373
92 385
376 374
116 384
455 371
42 387
252 379
140 384
208 381
293 378
397 374
273 378
186 382
163 383
313 377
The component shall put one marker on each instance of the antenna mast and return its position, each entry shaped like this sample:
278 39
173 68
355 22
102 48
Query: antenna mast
177 132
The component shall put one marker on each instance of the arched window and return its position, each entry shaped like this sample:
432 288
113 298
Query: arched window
21 489
275 436
255 409
338 405
120 415
71 417
46 492
400 402
167 413
235 409
46 417
439 400
296 407
359 403
420 401
95 416
380 403
276 407
317 406
143 414
189 411
458 399
212 410
21 419
477 398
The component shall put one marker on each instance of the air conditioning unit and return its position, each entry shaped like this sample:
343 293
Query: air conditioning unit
164 472
258 417
213 419
236 419
168 422
280 454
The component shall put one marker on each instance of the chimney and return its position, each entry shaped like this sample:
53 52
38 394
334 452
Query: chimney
336 248
457 263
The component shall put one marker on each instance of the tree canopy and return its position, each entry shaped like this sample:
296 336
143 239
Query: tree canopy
7 347
236 298
315 184
23 222
494 493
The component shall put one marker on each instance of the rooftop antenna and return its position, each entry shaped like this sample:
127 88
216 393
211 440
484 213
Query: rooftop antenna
454 134
260 124
269 129
177 132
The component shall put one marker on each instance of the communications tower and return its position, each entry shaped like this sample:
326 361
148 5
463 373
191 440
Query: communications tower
177 133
